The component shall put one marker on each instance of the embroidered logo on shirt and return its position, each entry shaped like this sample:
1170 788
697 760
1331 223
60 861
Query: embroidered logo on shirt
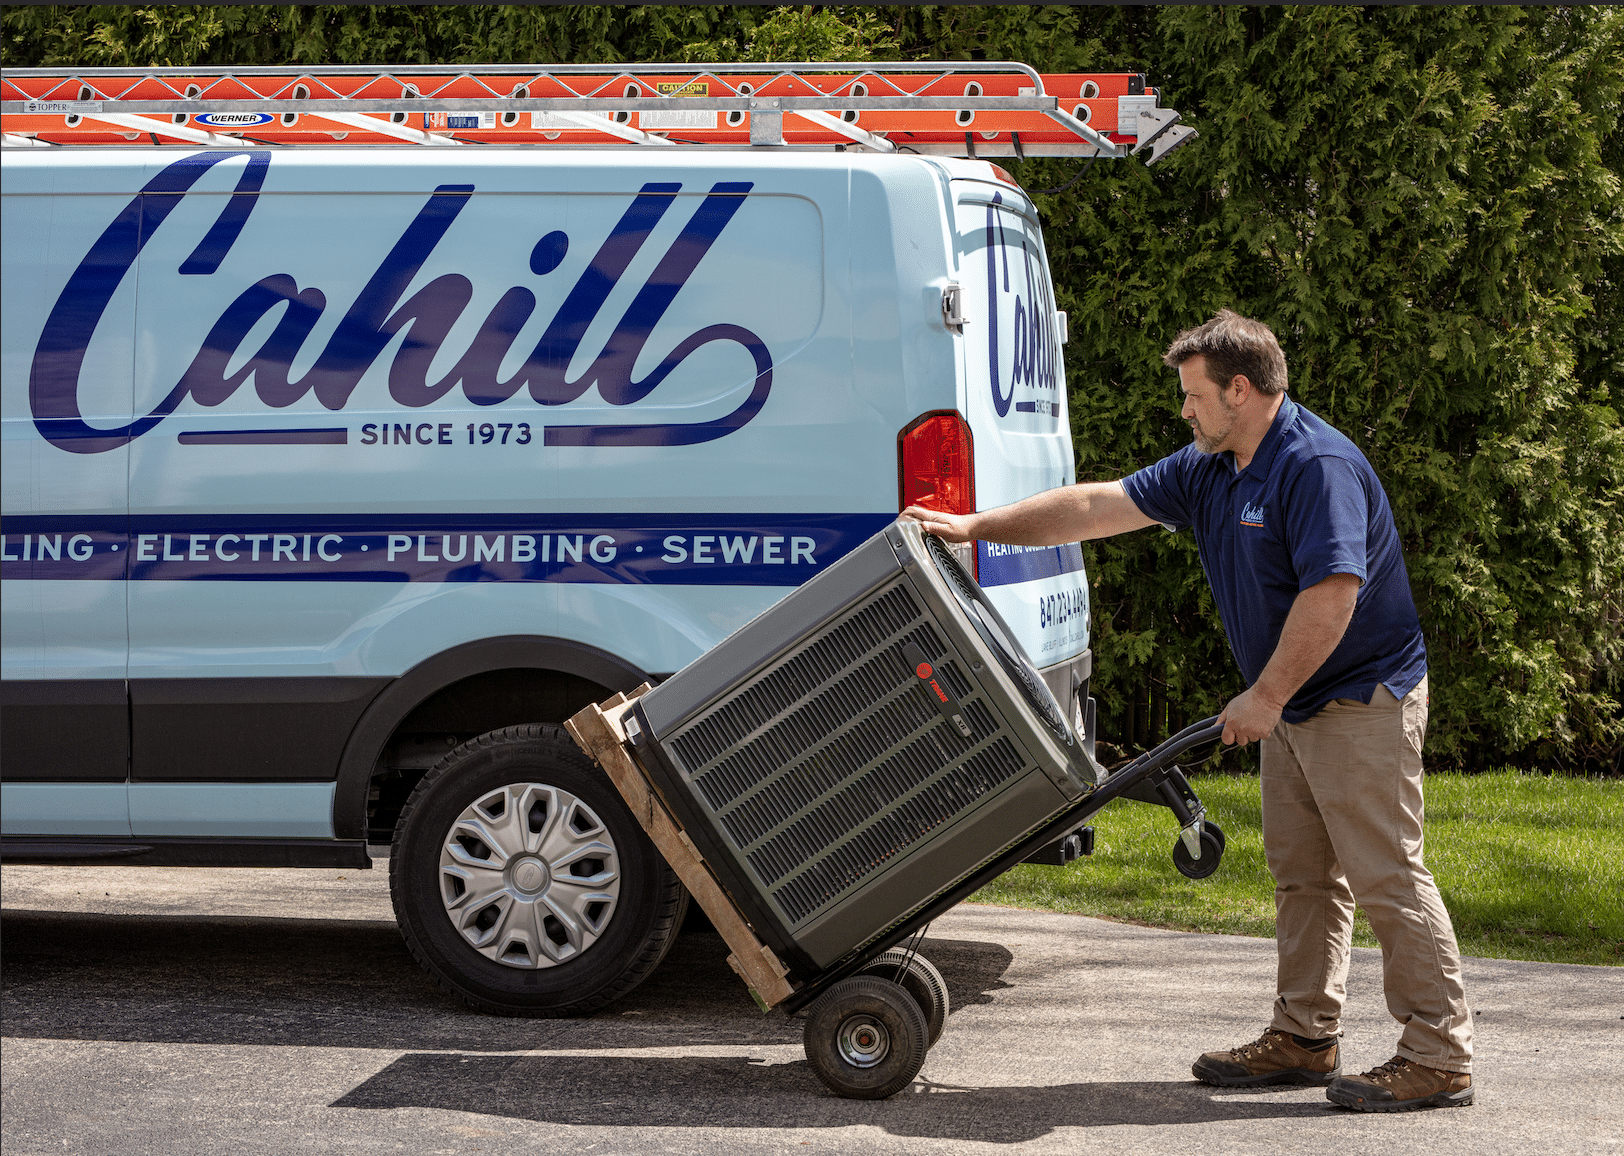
1252 515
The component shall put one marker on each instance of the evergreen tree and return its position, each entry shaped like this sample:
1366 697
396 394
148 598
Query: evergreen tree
1423 201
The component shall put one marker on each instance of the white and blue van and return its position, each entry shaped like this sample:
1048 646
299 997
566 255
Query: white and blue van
335 479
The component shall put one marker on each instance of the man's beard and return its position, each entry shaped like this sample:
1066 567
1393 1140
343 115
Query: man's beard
1209 443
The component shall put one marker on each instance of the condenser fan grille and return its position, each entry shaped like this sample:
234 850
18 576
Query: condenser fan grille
1032 686
951 569
827 765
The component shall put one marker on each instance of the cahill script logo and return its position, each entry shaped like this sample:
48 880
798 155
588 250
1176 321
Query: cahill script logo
377 315
1033 337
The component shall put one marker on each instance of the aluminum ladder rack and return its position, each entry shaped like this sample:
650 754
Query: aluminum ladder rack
993 109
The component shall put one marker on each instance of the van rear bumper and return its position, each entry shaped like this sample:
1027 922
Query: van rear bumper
1068 682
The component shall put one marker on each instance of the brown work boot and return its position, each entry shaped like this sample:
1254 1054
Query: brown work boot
1274 1058
1401 1085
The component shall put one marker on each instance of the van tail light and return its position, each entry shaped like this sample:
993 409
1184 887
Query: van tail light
936 470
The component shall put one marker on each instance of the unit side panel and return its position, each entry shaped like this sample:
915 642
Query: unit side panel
826 753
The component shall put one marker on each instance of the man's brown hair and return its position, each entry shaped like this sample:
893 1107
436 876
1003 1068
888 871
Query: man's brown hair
1232 345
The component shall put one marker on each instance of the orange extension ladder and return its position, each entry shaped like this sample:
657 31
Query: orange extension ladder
995 109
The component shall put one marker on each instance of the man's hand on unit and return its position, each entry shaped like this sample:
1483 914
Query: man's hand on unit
948 527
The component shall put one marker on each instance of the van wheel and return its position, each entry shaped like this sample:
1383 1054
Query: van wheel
522 884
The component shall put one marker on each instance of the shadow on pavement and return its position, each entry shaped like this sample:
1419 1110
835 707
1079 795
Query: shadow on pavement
352 984
740 1093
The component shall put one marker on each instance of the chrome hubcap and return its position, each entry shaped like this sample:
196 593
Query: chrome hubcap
529 875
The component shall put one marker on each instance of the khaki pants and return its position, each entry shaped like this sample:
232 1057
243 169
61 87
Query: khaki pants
1342 819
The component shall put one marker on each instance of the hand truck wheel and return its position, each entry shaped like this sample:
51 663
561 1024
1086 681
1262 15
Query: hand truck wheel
1212 850
865 1038
920 979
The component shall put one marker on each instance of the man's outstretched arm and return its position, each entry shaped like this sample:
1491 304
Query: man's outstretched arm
1067 514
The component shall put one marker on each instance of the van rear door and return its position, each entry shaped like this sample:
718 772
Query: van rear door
1015 401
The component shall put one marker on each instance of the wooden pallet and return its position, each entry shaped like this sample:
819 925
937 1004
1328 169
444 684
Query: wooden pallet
600 731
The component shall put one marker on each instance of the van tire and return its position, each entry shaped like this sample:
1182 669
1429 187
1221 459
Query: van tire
641 901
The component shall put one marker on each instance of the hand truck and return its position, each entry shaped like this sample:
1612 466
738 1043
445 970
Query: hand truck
872 1016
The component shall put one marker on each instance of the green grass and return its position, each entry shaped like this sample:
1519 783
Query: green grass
1530 867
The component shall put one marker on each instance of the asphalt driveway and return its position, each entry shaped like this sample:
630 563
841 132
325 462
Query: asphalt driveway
155 1010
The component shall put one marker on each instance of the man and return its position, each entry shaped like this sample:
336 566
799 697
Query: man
1298 543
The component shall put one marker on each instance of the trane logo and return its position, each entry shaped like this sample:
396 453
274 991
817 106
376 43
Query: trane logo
924 671
376 315
946 704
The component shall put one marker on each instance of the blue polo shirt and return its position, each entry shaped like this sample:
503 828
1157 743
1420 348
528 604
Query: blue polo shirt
1306 507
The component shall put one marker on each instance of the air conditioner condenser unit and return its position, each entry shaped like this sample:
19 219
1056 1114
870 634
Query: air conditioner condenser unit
859 748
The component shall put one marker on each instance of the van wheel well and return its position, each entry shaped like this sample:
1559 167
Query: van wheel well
461 711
